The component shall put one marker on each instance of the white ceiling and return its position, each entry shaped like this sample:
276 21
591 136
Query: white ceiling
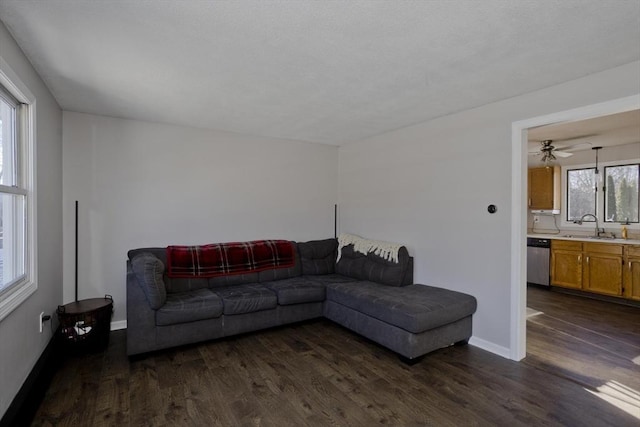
605 131
318 71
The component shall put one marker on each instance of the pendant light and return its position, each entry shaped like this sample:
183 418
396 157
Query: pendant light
599 179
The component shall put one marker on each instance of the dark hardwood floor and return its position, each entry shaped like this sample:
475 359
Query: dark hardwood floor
593 343
582 356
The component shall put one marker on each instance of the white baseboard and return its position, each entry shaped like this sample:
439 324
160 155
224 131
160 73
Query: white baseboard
118 324
490 347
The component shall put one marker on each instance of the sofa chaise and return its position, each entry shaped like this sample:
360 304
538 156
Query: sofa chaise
369 291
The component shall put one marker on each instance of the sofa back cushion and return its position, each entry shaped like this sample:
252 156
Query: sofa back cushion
373 268
149 270
283 273
174 284
318 256
223 259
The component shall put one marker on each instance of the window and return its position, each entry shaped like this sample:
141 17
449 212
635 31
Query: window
12 197
581 194
17 193
611 194
621 193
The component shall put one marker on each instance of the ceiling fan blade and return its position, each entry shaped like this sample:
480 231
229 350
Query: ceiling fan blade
534 153
582 145
562 154
591 135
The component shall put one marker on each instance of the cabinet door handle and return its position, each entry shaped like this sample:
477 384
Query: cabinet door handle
587 260
579 259
529 202
629 265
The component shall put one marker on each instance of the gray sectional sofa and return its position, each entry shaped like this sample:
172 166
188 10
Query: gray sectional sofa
362 292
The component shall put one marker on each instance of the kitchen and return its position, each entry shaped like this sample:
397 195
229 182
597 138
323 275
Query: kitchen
583 225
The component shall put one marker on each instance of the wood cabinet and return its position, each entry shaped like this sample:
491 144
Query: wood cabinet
566 264
602 269
632 273
544 188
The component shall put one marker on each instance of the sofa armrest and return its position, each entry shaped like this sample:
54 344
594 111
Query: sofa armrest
408 274
149 271
141 318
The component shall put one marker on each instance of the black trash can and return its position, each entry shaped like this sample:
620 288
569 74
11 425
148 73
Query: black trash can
85 324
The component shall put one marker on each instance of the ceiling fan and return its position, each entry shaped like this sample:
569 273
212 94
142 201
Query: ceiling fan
549 152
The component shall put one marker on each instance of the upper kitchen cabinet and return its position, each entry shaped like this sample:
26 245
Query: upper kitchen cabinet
544 188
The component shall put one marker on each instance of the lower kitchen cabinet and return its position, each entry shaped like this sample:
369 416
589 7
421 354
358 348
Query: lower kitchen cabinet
632 273
602 270
566 264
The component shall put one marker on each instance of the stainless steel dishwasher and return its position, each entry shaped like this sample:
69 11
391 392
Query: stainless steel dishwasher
538 254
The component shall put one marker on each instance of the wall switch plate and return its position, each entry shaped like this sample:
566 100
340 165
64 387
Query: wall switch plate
41 321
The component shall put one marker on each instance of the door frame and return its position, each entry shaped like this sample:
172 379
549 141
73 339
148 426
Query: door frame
518 329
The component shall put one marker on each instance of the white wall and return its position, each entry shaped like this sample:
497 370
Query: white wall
21 344
146 184
428 186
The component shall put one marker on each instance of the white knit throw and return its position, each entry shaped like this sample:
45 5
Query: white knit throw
386 250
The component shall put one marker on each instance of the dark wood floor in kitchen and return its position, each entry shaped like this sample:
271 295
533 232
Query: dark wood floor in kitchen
582 366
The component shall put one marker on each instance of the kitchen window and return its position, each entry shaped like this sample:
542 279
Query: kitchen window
621 193
581 193
17 192
611 194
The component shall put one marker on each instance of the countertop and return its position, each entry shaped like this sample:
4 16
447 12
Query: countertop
568 236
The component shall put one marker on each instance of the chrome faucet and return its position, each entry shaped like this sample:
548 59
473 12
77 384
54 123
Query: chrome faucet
579 222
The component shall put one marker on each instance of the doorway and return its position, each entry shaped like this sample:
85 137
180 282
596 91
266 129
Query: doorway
519 211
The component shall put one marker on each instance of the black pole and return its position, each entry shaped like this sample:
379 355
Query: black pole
76 251
335 221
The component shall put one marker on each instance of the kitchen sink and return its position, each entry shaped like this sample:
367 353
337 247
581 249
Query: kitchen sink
589 237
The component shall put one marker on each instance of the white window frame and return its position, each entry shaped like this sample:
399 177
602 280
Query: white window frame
589 224
15 295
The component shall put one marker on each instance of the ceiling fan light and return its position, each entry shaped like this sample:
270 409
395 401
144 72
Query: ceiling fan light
548 158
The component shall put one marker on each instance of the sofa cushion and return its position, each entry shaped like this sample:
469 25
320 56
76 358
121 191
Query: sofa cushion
318 256
148 270
371 267
246 298
414 308
332 278
177 285
232 280
297 290
182 307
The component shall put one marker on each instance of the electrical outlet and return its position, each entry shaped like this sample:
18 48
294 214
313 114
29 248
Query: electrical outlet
41 321
536 218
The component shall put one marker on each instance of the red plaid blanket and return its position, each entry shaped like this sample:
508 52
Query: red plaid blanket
229 258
